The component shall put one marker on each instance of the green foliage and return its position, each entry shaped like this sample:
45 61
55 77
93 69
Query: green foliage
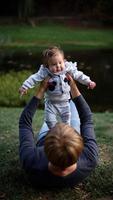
9 87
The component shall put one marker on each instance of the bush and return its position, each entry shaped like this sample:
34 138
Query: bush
9 86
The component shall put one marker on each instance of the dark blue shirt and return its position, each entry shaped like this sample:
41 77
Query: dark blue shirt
34 160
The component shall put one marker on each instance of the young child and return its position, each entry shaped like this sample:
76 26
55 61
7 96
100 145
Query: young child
58 93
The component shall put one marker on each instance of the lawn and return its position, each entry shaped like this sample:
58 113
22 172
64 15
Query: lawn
13 182
24 37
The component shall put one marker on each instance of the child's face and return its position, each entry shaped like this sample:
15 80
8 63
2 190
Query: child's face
56 63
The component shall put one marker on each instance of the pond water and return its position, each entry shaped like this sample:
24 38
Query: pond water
98 64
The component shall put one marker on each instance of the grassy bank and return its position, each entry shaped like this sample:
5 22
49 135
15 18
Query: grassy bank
13 182
23 37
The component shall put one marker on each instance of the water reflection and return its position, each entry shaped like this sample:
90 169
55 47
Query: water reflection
98 64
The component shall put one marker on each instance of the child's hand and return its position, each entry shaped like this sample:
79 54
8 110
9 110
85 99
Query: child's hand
91 85
22 91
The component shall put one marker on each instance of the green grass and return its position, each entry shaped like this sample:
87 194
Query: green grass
23 37
13 182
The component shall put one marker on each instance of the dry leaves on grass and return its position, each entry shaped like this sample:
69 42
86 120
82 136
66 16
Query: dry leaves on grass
81 194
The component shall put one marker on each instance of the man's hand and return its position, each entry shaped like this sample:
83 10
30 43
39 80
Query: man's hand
42 88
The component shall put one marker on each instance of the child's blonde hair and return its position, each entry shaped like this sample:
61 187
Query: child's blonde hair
50 52
63 145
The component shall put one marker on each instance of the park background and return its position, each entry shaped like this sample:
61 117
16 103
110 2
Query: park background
84 30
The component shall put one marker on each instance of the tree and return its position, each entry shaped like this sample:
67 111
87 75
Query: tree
25 9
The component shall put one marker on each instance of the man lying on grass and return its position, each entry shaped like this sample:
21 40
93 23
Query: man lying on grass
61 157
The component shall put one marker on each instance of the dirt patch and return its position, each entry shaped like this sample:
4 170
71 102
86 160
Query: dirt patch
105 155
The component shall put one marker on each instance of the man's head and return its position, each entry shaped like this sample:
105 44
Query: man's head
53 59
63 146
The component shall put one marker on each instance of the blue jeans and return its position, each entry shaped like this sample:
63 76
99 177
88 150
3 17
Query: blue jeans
75 122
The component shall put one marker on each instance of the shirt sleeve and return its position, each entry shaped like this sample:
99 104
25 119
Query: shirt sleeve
76 74
35 78
87 131
29 156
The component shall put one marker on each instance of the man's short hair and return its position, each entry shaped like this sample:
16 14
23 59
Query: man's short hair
63 145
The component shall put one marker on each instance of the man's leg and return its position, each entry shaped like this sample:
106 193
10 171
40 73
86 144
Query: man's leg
75 120
43 131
